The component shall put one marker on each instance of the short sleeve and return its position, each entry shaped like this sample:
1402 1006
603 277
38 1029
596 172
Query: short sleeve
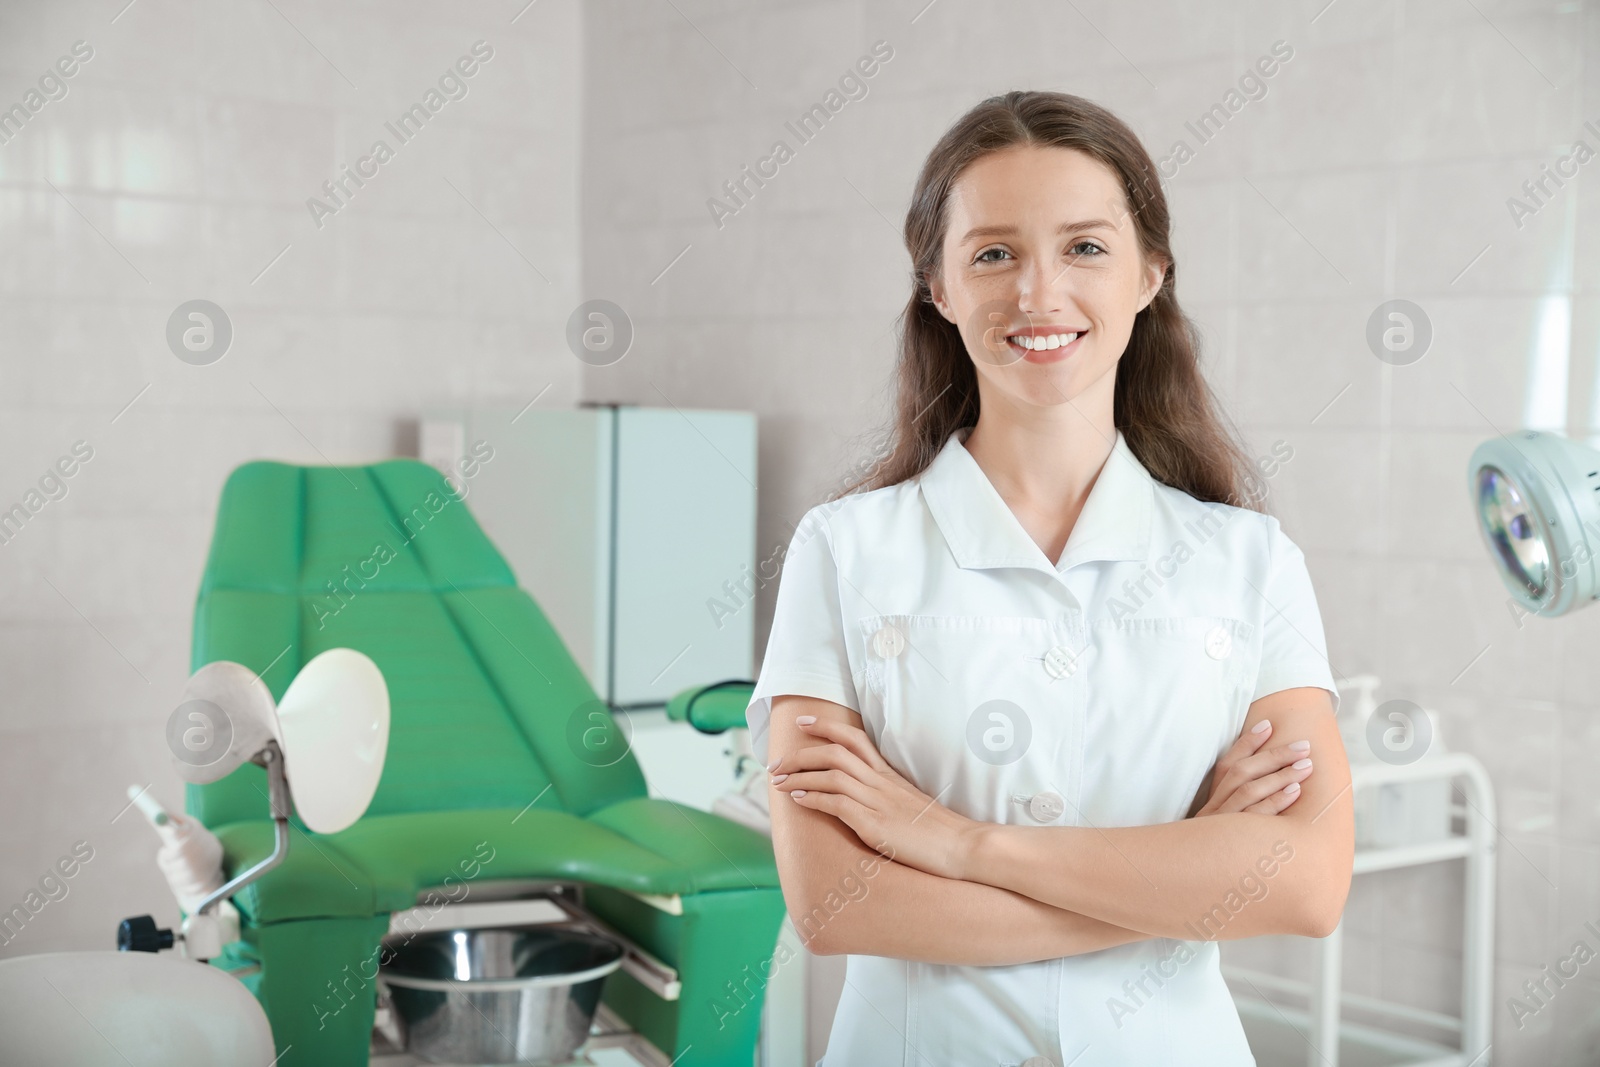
806 653
1294 649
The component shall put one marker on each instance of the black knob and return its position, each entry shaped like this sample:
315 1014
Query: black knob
140 934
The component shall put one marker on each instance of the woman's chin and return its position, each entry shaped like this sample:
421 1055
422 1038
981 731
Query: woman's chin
1043 384
1040 384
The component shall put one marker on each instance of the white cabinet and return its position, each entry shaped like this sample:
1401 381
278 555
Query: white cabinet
633 527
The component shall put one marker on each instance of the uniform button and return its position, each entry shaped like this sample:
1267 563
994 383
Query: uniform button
1046 807
1059 662
1219 642
888 642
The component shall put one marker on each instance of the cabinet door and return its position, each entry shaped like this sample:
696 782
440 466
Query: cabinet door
685 576
545 501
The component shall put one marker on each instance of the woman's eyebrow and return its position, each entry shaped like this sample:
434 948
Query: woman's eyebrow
1065 227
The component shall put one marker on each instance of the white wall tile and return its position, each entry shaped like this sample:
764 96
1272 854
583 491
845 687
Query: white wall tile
187 148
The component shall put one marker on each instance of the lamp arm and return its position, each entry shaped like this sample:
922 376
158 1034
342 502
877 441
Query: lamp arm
270 757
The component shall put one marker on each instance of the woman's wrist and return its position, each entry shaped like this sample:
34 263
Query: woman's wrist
972 843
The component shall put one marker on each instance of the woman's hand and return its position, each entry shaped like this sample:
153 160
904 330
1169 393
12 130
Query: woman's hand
1253 777
850 780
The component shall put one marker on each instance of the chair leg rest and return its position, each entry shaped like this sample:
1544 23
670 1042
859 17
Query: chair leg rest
317 987
725 948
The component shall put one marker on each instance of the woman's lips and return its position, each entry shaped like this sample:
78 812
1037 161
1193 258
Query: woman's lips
1053 355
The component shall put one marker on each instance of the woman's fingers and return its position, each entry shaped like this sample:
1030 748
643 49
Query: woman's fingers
1259 789
1245 745
1261 764
843 808
1248 742
822 758
1271 759
853 738
1278 802
825 781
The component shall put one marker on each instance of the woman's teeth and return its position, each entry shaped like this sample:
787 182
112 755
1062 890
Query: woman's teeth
1042 344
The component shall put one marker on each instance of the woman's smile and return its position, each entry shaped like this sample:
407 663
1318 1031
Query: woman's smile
1046 344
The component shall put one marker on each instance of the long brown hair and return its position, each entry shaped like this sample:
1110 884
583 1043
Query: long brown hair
1163 404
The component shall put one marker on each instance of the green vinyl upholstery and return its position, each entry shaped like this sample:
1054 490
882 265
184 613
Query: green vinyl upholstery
714 708
498 747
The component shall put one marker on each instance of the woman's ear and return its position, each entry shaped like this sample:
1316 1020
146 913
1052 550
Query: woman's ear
936 296
1155 276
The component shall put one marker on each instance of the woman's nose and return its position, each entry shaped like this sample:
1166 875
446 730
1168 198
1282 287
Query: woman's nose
1043 286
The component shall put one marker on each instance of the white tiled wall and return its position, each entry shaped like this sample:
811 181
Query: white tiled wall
178 166
179 163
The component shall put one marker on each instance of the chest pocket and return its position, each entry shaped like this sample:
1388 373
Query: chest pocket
976 711
1167 696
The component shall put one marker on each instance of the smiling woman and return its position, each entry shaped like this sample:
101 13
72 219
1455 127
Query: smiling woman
1069 790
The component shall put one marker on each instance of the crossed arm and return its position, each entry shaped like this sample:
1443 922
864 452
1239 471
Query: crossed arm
955 890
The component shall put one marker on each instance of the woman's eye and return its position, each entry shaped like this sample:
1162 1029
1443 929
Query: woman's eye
994 255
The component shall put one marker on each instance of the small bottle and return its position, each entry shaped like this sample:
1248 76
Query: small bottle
1354 713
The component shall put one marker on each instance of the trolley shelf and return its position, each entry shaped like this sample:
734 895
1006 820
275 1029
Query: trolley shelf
1318 1031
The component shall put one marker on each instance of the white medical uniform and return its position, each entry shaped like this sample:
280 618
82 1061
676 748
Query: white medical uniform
1097 691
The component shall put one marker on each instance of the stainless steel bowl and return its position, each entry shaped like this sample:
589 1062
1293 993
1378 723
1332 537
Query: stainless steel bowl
525 995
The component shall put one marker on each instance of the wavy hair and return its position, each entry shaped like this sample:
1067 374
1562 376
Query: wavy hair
1163 405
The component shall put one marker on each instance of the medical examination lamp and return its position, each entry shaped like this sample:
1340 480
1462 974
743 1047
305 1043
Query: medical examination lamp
1537 497
329 734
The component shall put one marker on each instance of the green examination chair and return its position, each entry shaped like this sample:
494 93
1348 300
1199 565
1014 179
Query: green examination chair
498 747
715 708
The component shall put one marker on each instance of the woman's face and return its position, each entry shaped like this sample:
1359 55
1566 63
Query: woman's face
1040 243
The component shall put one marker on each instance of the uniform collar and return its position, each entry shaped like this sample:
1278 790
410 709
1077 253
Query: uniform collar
982 531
